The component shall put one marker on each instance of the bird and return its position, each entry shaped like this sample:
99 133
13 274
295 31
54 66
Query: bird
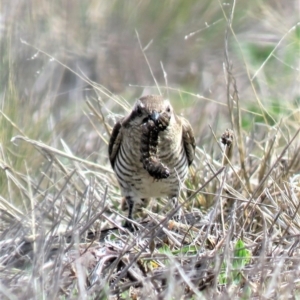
150 151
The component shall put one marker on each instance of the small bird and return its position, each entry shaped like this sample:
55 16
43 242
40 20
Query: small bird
150 151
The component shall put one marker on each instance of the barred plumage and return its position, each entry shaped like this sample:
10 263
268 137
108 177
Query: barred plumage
175 150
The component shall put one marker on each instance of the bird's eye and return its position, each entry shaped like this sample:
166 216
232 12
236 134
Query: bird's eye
168 109
139 110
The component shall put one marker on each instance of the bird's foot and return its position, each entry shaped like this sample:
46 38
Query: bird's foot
130 226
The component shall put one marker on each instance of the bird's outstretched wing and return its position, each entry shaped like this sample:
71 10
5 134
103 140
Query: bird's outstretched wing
188 140
115 142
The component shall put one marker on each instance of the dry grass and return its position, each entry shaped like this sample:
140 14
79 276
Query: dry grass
61 234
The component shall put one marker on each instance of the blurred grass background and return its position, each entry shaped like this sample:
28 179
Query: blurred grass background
43 100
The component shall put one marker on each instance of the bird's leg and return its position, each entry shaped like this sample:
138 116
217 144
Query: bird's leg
130 204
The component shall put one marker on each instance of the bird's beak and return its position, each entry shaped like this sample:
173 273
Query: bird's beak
154 116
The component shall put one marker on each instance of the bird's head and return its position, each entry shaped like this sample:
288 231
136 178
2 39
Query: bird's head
151 107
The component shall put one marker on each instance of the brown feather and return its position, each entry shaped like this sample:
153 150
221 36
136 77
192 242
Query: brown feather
188 140
115 142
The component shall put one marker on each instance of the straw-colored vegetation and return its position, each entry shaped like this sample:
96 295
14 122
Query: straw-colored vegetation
70 69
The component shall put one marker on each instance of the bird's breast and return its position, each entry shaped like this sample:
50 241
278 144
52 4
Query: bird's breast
132 176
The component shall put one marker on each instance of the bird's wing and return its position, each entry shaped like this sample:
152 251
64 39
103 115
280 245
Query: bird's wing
188 140
115 142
